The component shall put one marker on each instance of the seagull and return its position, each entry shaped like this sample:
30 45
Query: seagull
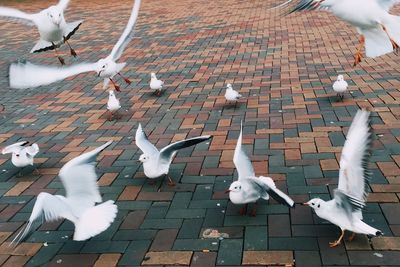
156 84
379 30
345 209
156 163
52 27
24 74
340 86
112 105
249 188
22 155
79 179
231 95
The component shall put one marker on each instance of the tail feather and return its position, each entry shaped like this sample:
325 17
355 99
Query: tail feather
377 42
95 220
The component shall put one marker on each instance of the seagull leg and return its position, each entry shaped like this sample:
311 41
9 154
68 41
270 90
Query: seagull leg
254 210
72 51
394 44
170 182
110 115
358 55
62 61
115 85
36 171
243 210
158 92
352 237
125 79
337 242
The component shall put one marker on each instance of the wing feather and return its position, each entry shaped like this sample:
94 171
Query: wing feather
269 186
241 160
14 148
63 4
143 142
17 15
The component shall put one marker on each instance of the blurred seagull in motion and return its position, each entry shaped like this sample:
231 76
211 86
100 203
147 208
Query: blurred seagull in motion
112 105
156 84
379 30
50 22
345 209
249 188
27 75
22 155
156 163
340 86
79 179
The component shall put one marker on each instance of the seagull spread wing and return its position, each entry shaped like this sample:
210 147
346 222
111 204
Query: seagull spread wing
267 184
32 150
167 153
17 15
47 208
127 35
79 176
143 143
241 160
24 75
63 4
14 148
353 174
303 5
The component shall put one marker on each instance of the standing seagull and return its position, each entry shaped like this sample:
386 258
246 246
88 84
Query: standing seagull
249 188
79 179
27 75
231 95
50 22
156 163
340 86
345 209
156 84
112 104
379 30
22 155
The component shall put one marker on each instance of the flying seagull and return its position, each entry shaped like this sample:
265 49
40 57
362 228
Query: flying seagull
22 155
379 31
27 75
345 209
156 163
79 179
249 188
156 84
52 27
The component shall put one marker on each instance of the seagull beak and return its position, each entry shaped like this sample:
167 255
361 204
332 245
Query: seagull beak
98 74
306 204
138 161
227 191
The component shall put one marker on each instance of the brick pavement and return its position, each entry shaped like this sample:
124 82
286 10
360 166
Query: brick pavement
294 130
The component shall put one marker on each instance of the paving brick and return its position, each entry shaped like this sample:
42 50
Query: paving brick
168 258
73 260
107 260
229 252
203 259
386 243
267 258
164 240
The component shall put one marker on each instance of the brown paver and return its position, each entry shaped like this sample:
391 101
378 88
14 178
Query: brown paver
168 258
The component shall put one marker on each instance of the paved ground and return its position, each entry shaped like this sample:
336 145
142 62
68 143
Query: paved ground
294 130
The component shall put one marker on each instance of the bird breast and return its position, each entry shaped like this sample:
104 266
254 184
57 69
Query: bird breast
22 161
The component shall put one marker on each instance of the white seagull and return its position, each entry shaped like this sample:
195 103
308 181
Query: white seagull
345 209
50 22
27 75
231 95
156 163
379 30
112 104
340 86
249 188
156 84
79 179
22 155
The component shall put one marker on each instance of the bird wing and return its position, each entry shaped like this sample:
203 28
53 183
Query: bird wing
169 151
387 4
301 5
127 35
32 150
24 75
17 15
63 4
241 160
143 142
353 174
79 176
14 148
268 185
47 208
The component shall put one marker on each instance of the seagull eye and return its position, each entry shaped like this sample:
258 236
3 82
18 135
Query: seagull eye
319 205
312 204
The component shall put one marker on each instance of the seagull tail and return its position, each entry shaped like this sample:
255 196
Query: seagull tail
377 42
95 220
363 228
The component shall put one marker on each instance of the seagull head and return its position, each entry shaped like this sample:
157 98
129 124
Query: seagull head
153 75
111 93
340 78
55 15
144 158
229 86
315 203
235 187
102 66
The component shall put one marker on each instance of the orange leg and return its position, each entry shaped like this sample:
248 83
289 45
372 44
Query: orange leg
337 242
352 237
394 44
57 55
72 51
125 79
170 182
358 55
115 85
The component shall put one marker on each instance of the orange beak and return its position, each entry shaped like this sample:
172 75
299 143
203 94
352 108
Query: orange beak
306 204
227 191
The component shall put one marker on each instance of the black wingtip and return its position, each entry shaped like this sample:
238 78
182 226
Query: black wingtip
378 233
